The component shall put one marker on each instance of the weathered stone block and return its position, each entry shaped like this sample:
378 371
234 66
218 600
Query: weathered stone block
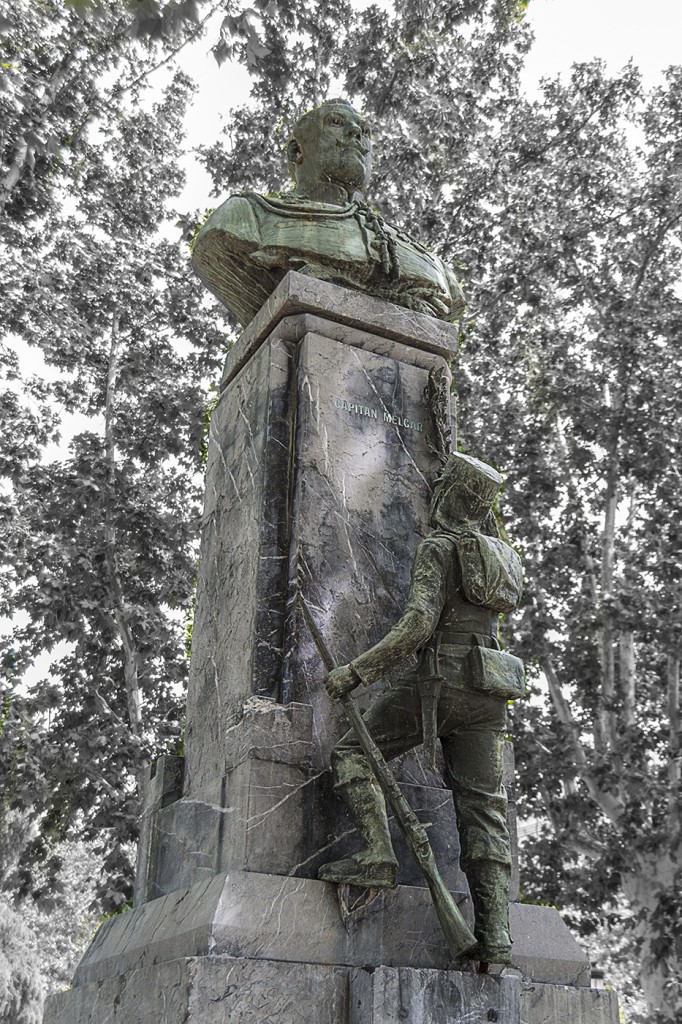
274 917
256 991
417 996
544 949
159 784
253 819
561 1004
156 995
242 580
318 483
277 816
270 731
210 990
407 996
298 294
217 989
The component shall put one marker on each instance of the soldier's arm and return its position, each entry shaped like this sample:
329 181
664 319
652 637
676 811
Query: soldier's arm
425 603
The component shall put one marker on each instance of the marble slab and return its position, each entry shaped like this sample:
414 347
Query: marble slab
318 482
298 293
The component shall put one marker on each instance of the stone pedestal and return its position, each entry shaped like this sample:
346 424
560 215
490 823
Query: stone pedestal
319 477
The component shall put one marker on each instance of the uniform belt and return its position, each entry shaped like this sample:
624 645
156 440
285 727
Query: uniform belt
469 639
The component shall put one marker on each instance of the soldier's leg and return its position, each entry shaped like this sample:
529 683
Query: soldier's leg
394 721
474 761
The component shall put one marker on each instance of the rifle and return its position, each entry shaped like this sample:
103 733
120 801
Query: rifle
458 936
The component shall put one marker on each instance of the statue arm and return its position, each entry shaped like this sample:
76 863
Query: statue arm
223 257
428 589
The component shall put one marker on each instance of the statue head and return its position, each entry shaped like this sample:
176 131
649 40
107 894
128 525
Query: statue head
331 144
465 493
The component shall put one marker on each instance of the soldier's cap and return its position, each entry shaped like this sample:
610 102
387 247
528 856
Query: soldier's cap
475 476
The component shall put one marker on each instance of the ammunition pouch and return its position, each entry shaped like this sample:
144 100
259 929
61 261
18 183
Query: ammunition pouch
495 672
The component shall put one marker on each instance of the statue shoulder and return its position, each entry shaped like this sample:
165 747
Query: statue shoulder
438 546
458 303
237 218
452 298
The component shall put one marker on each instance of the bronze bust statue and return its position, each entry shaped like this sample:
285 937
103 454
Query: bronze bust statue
323 227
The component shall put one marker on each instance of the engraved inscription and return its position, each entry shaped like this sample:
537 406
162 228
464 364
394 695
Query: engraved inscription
355 407
365 410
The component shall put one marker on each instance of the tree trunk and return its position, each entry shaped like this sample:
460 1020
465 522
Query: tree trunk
120 616
654 895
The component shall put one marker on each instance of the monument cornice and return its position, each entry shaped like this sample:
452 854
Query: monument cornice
298 293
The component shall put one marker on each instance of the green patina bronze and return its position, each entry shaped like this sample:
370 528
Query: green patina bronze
323 228
463 577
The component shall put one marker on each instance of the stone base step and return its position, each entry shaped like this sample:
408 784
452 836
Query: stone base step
222 989
252 915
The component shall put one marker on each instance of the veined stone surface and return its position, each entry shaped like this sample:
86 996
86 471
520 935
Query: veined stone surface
210 990
318 482
271 917
298 293
364 475
219 989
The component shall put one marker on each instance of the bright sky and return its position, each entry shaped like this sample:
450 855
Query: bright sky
569 31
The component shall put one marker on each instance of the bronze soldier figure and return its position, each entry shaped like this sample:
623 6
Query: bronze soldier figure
463 577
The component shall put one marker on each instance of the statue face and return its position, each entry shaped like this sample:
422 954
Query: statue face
335 146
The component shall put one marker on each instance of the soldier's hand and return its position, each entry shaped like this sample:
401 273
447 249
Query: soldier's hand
340 681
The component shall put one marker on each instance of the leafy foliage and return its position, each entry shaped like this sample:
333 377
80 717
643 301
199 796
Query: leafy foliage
98 547
578 345
21 996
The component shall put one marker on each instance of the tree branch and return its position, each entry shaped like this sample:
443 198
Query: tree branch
627 668
674 742
173 53
574 493
610 805
584 844
651 250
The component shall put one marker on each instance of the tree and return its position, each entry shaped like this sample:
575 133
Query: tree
21 996
578 345
99 550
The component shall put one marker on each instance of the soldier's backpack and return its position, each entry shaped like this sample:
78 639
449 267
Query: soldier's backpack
491 571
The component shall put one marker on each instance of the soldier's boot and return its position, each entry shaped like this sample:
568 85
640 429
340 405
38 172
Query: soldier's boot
489 886
374 867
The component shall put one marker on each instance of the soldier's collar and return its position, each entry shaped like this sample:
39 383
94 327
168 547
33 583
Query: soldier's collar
291 205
